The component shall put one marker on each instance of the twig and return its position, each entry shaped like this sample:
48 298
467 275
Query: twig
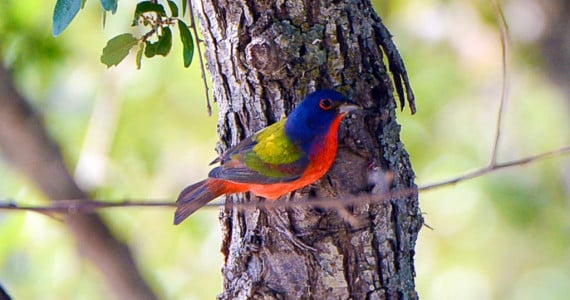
493 165
497 166
203 70
505 76
74 206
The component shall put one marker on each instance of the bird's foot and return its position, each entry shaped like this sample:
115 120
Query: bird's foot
283 226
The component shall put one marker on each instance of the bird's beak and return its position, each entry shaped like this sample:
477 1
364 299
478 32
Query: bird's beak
348 106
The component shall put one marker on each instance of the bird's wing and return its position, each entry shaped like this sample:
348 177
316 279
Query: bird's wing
260 172
266 157
242 146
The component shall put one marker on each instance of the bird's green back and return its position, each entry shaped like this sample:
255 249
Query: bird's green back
274 147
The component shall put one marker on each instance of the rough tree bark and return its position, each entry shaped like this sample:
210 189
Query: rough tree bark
27 146
264 57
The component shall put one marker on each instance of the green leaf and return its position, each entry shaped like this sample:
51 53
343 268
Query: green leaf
165 42
139 55
173 8
147 6
109 5
63 14
162 46
184 5
187 42
117 49
150 49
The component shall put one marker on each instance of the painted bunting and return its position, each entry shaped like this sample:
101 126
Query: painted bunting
278 159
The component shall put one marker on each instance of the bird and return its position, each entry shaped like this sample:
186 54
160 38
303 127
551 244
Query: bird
285 156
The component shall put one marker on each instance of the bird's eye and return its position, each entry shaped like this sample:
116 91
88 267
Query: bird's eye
325 104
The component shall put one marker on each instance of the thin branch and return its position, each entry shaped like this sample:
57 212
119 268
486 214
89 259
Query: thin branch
505 77
493 165
203 70
76 206
497 166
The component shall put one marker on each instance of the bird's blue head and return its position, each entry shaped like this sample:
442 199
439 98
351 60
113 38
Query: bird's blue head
312 120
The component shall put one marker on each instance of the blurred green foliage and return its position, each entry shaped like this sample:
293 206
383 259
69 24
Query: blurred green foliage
145 134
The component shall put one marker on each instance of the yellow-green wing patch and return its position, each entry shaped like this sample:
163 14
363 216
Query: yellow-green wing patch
274 147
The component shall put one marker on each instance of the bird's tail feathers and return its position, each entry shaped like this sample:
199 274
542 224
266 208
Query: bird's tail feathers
195 196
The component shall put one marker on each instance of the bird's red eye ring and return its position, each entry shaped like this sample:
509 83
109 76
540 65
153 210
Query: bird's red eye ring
325 104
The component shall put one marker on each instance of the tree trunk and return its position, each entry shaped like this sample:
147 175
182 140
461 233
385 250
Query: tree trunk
264 57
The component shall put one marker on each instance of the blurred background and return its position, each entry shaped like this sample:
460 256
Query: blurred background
145 134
